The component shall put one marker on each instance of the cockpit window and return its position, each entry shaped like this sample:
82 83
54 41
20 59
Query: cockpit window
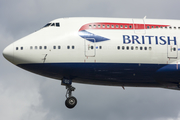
52 24
57 24
47 25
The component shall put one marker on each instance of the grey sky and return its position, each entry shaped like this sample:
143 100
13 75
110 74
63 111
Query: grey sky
25 96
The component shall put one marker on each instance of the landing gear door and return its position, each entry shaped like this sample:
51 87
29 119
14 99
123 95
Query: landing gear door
172 51
90 47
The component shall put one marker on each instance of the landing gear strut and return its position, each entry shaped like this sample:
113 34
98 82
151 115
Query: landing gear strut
70 100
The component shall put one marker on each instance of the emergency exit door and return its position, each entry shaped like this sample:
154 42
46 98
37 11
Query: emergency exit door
139 26
172 51
90 47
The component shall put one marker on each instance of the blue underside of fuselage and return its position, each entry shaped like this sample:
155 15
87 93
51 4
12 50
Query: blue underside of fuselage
109 73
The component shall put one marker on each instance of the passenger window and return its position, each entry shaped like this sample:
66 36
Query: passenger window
99 26
72 47
59 47
174 49
150 48
21 48
145 48
16 48
31 47
90 26
92 47
170 27
54 47
147 27
107 26
166 27
174 27
112 26
161 27
100 47
125 26
178 27
117 26
45 47
152 26
130 26
122 47
136 47
127 47
156 26
68 47
118 47
40 47
103 26
141 48
94 26
121 26
132 48
36 47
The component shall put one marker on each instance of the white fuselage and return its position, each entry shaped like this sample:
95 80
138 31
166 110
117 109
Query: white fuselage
108 51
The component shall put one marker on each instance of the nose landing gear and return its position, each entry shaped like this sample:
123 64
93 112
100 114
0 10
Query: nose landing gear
70 100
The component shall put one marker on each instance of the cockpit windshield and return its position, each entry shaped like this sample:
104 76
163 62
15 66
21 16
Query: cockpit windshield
52 24
47 25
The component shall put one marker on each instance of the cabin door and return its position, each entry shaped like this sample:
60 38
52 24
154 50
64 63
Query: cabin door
172 51
90 47
139 26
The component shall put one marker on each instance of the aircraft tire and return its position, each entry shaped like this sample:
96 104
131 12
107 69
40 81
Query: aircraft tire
71 102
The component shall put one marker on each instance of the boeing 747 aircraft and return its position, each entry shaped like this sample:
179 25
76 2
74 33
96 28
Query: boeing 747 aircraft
102 51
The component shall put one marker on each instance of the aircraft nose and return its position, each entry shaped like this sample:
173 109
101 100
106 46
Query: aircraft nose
8 53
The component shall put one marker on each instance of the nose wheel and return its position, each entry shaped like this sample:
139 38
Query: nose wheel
71 101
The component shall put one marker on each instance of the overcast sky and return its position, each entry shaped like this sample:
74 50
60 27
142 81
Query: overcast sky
26 96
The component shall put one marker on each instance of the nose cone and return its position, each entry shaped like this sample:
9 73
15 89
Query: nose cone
8 53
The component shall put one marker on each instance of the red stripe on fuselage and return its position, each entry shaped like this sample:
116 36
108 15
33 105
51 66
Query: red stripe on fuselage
119 26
